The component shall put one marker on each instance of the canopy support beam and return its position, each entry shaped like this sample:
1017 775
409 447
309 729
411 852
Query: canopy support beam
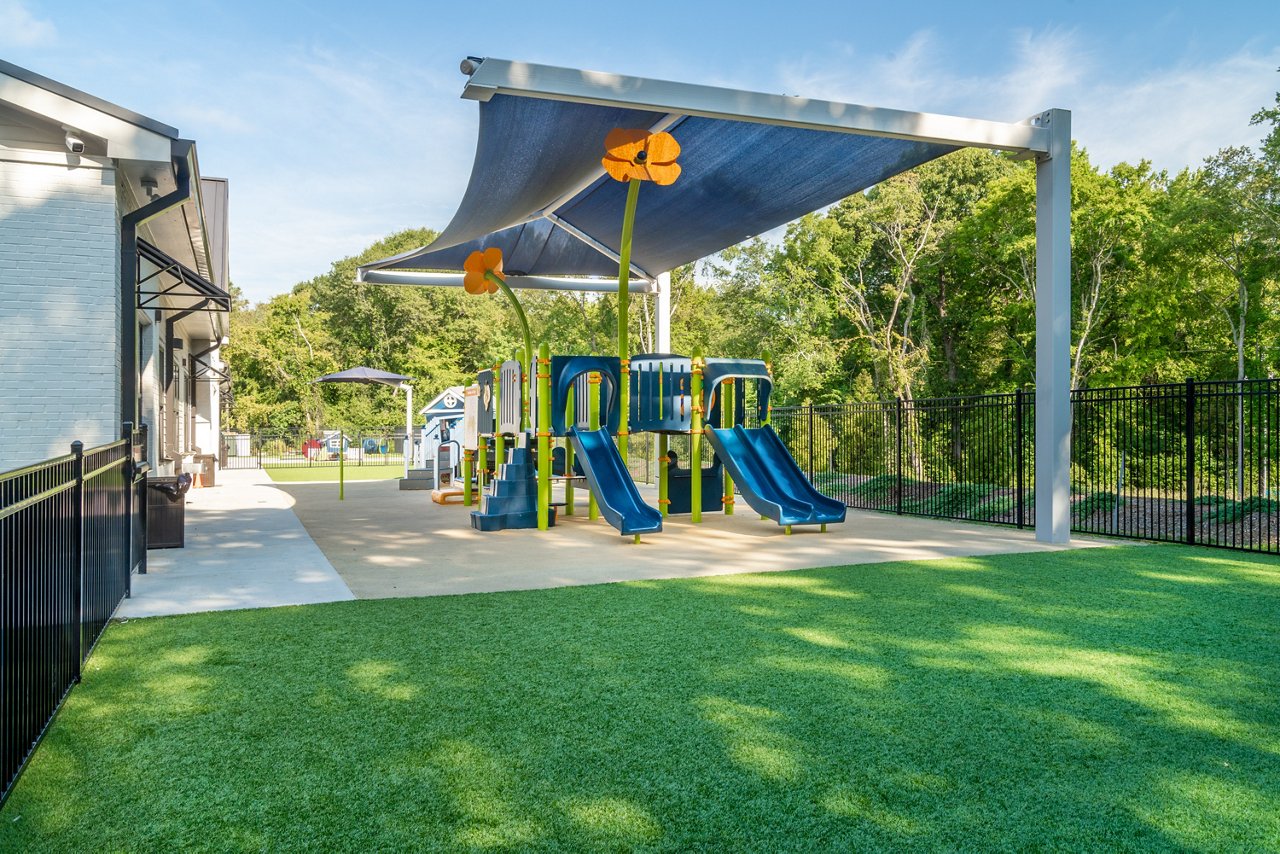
533 283
499 76
1053 331
663 324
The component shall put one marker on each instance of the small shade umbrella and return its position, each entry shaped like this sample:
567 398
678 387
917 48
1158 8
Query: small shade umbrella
373 376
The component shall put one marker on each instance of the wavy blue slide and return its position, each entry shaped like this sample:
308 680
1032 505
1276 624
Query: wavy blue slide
611 483
767 476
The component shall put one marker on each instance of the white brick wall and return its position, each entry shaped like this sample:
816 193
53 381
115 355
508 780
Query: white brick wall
59 310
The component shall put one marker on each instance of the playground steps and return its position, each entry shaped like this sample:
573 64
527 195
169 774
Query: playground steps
419 479
511 499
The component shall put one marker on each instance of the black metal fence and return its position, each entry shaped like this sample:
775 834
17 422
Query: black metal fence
1186 462
369 447
72 530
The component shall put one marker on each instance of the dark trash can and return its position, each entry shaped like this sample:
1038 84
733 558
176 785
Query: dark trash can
167 511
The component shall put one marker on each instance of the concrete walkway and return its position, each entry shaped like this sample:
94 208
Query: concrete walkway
244 549
385 543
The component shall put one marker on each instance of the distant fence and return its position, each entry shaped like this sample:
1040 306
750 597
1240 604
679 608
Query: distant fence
1189 462
369 447
72 530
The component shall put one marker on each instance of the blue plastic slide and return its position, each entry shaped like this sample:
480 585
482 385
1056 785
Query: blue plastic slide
611 483
767 476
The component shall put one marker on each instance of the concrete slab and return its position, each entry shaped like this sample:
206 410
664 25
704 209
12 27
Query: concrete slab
244 549
386 543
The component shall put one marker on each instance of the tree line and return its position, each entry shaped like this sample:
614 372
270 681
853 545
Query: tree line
922 286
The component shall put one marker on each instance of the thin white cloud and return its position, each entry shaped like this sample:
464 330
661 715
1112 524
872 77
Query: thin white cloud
333 151
19 26
1175 115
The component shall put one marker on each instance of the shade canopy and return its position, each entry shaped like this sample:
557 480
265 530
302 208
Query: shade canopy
751 162
369 376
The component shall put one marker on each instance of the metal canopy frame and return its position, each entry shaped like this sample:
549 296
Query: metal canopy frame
207 296
1046 137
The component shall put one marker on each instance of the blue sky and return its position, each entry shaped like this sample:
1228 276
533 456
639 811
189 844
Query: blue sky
338 123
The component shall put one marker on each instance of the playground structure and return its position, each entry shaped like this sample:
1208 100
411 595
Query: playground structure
436 452
567 426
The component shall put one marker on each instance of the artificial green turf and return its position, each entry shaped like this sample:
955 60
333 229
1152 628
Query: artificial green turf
1120 698
300 474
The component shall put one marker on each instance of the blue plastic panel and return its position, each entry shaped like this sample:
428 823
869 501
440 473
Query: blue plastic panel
660 398
565 370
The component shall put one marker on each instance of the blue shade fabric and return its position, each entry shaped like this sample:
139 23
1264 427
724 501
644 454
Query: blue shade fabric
739 179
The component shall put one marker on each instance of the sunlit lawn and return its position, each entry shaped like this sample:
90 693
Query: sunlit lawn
302 473
1121 698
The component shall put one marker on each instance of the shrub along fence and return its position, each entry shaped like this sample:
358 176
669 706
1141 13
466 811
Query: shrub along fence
1189 462
72 530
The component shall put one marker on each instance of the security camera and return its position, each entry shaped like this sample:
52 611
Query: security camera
74 143
469 65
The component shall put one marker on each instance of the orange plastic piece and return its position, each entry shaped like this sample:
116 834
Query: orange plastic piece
478 264
636 154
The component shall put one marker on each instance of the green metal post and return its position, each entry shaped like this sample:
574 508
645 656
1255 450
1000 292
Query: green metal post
695 438
727 395
768 412
569 419
663 486
499 441
624 345
482 463
593 421
466 477
527 353
543 377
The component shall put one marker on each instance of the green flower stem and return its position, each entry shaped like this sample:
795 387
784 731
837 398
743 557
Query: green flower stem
527 361
624 346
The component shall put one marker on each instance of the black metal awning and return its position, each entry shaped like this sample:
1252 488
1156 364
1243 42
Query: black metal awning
187 283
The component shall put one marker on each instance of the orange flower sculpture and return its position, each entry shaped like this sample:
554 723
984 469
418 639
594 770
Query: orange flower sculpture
478 270
632 154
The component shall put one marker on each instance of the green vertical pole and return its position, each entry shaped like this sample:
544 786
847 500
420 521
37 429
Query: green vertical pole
593 421
482 462
624 346
499 442
569 419
727 400
466 477
542 373
695 438
525 354
663 486
768 412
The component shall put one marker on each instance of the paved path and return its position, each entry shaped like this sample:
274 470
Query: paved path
244 549
385 542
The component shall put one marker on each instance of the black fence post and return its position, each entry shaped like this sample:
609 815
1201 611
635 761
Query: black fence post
898 410
1018 458
812 436
1189 404
77 552
139 491
127 432
259 437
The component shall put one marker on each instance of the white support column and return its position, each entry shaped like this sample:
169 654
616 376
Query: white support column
663 344
1053 332
408 427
